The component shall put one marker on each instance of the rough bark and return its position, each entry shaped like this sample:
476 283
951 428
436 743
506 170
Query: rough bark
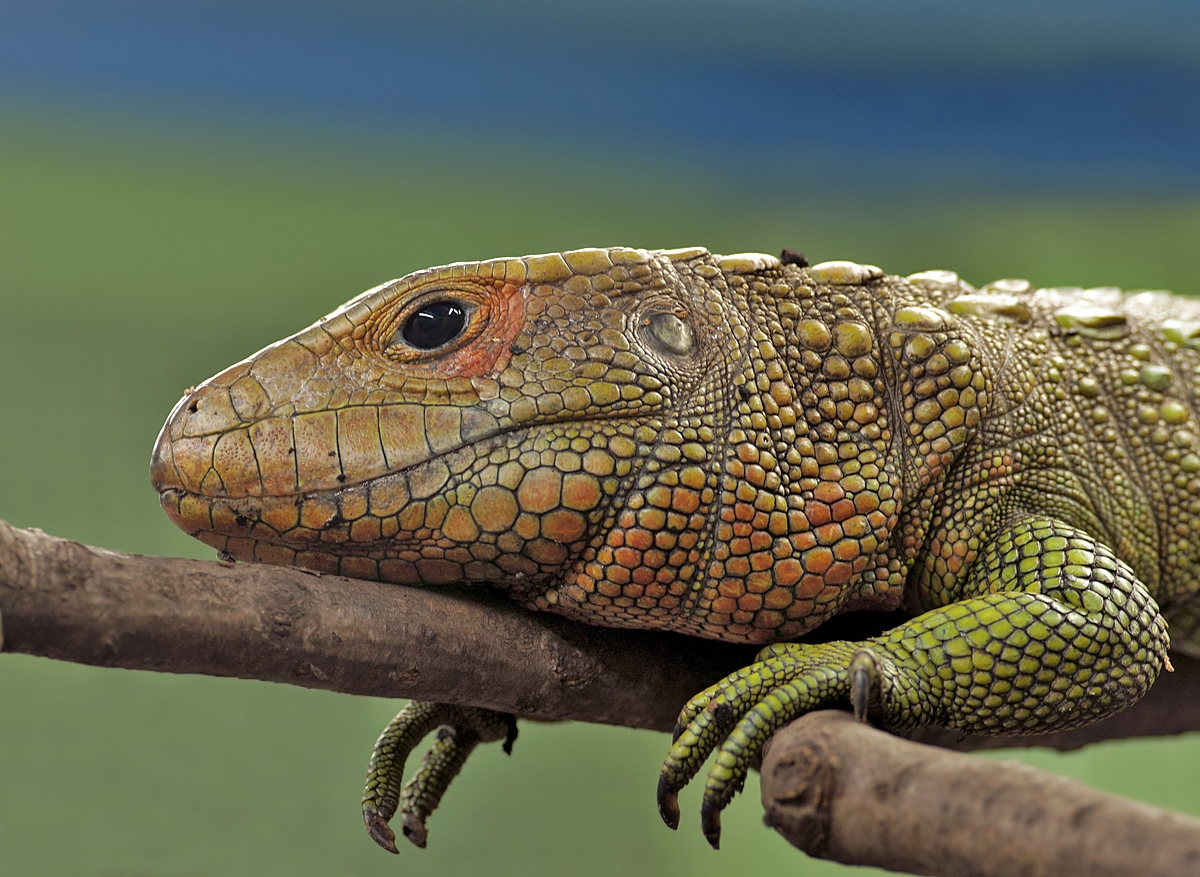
60 599
844 791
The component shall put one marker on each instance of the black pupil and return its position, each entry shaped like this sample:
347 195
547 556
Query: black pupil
435 324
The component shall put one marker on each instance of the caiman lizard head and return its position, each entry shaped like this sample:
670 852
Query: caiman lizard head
477 421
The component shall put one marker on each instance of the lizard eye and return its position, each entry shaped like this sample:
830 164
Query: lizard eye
669 334
435 325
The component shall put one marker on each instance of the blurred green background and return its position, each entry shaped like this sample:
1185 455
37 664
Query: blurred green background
154 229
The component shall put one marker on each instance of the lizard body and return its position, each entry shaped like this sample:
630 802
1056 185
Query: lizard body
735 448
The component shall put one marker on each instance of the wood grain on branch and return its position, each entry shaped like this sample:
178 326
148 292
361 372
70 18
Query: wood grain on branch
61 599
841 790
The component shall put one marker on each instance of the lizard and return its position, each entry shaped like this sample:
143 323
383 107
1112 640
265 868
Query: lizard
735 447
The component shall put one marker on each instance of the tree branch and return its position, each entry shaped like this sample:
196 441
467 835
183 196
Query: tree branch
834 788
61 599
841 790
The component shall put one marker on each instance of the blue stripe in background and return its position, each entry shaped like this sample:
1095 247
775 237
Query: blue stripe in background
1099 96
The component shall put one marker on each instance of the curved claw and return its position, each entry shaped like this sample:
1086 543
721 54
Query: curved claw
710 822
864 681
668 802
414 829
380 831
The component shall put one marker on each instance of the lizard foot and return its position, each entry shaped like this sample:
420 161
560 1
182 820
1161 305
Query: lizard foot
738 715
459 731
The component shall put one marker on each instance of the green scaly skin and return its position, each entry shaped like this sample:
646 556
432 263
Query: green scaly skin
735 448
460 730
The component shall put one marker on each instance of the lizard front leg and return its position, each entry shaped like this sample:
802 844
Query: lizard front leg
460 730
1052 632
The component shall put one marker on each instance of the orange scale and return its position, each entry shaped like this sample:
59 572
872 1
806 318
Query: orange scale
756 475
643 576
818 513
760 561
800 609
846 549
810 586
842 509
817 560
617 574
365 530
768 620
798 521
803 541
724 605
740 546
581 492
731 588
839 573
777 598
760 540
866 502
652 519
738 566
759 582
829 492
743 511
609 589
677 521
684 500
742 618
563 526
856 526
665 540
788 572
749 602
639 539
747 453
627 557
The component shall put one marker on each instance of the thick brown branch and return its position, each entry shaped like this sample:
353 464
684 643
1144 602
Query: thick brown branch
61 599
844 791
834 788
